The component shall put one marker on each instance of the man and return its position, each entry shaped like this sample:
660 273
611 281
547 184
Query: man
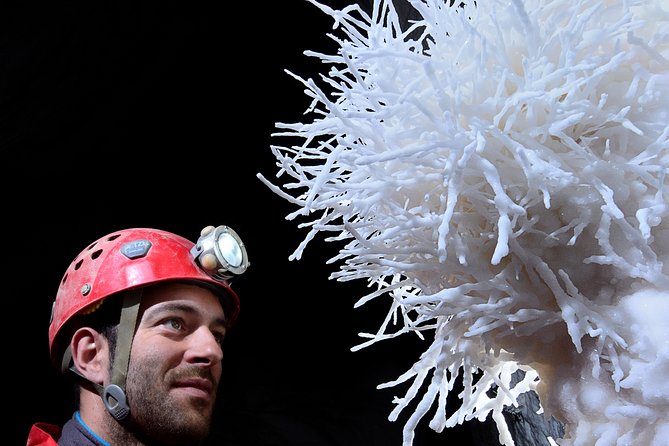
139 320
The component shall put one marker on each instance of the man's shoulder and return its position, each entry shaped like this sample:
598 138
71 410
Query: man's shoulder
44 434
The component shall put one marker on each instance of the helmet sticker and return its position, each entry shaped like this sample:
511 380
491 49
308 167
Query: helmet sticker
136 248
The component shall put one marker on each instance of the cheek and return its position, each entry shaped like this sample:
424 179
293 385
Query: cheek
217 371
159 353
150 368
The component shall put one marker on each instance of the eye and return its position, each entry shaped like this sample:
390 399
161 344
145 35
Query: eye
220 337
175 324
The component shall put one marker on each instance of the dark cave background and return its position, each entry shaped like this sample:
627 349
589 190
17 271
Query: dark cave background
160 114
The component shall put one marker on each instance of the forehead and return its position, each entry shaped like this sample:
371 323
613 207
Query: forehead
195 295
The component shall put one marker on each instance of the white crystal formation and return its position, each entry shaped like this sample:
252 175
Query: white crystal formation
498 173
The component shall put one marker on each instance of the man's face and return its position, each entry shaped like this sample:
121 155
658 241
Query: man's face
175 362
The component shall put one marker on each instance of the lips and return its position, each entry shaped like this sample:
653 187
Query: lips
199 387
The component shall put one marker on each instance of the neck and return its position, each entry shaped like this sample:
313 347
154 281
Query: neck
96 417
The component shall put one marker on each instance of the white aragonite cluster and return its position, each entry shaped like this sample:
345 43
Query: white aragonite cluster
498 171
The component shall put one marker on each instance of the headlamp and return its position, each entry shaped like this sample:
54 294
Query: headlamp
220 252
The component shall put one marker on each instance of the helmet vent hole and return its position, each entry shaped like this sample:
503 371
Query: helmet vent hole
96 254
78 264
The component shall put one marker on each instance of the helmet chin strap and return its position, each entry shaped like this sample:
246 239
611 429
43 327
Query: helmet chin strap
113 395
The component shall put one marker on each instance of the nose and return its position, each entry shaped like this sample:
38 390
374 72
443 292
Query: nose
204 347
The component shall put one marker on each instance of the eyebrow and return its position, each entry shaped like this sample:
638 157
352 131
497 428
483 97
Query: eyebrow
183 308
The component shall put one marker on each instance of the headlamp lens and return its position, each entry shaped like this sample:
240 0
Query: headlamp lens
230 249
220 252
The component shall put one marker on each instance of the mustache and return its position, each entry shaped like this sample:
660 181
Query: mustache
193 372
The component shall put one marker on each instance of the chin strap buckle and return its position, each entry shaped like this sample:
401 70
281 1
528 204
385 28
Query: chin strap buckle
115 402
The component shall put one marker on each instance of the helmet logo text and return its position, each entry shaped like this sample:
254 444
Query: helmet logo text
136 248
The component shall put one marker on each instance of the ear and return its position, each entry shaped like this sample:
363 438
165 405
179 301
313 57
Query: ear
90 354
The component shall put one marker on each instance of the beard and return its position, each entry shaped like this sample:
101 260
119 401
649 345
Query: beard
158 414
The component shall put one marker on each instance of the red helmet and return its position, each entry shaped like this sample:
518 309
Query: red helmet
129 259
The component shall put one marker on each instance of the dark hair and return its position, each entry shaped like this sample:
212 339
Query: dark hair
105 320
